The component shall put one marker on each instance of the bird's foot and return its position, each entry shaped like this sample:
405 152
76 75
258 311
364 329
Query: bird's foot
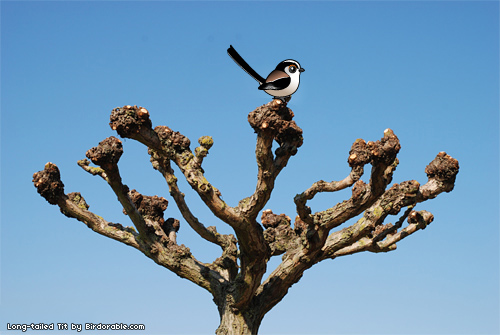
285 100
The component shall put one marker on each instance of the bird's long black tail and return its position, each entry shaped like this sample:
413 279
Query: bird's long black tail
244 65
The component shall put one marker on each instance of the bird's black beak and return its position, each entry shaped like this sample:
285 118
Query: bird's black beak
301 69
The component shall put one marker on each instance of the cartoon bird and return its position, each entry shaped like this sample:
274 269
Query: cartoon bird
281 83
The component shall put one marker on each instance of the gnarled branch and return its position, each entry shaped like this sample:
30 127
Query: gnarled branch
312 244
156 240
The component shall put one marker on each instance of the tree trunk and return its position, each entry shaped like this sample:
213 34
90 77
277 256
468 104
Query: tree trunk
238 323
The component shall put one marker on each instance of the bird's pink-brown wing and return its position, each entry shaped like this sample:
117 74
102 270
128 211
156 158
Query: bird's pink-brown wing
277 80
275 75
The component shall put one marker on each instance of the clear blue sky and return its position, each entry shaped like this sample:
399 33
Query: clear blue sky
428 70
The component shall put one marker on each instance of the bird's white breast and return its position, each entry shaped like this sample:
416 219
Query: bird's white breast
294 85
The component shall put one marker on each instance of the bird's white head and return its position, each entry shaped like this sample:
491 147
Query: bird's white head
290 67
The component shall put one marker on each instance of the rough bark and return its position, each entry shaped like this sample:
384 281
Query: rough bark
244 322
242 295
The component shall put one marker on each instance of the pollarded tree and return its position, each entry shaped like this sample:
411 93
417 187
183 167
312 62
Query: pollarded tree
236 279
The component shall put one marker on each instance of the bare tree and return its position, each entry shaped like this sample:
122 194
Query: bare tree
236 279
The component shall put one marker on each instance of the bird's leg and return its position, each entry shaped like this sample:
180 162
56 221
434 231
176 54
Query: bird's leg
284 99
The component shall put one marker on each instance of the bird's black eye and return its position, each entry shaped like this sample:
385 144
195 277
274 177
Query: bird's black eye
292 68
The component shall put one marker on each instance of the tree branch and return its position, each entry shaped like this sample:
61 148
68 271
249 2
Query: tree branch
153 242
300 200
132 122
441 172
367 234
272 121
279 234
210 234
49 185
382 156
417 221
106 155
